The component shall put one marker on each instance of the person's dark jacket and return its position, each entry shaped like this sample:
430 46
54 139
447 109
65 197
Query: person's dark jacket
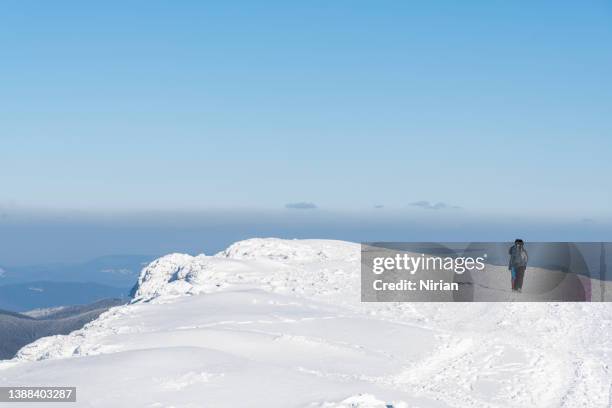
518 256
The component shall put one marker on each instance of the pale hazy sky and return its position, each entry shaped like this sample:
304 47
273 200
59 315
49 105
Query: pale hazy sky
500 108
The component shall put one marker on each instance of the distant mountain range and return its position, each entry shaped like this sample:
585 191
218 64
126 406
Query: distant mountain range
19 329
42 294
113 270
49 285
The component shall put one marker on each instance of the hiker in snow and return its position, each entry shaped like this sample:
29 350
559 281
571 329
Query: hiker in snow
518 264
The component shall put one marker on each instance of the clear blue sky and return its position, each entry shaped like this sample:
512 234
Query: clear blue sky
498 107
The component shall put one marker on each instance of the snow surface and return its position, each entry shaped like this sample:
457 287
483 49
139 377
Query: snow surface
279 323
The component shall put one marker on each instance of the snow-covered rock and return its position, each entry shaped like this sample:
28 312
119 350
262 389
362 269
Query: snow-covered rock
313 267
155 279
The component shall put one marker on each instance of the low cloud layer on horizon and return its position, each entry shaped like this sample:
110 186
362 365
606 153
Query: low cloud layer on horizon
431 206
302 205
26 240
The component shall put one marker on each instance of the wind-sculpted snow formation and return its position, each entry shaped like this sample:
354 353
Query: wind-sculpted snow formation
310 267
278 323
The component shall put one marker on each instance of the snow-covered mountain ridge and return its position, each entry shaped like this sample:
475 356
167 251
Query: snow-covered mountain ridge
305 267
278 323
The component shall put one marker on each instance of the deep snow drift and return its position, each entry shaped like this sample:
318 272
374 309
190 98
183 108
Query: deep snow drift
277 323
